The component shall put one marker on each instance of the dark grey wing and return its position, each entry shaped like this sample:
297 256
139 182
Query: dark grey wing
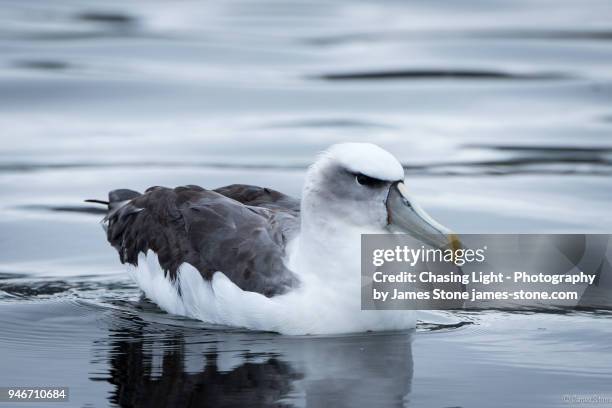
208 230
285 210
260 197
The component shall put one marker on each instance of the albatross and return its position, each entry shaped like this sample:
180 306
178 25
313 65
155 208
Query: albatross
255 258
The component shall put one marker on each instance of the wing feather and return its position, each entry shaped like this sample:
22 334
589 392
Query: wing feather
239 230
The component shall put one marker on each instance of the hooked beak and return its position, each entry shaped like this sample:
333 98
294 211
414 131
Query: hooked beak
406 216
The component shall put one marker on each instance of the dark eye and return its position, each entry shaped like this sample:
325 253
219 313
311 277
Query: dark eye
368 181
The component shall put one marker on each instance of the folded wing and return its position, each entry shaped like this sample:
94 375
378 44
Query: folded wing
239 230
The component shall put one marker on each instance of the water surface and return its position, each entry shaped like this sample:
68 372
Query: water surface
499 111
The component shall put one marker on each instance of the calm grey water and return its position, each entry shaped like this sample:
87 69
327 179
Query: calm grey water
501 112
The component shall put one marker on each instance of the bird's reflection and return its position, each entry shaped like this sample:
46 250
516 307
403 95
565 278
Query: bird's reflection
155 365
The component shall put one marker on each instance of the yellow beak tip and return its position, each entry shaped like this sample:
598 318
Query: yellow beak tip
454 242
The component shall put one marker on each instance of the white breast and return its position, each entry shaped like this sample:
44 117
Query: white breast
327 301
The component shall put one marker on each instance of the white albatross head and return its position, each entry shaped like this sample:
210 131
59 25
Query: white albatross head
362 185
